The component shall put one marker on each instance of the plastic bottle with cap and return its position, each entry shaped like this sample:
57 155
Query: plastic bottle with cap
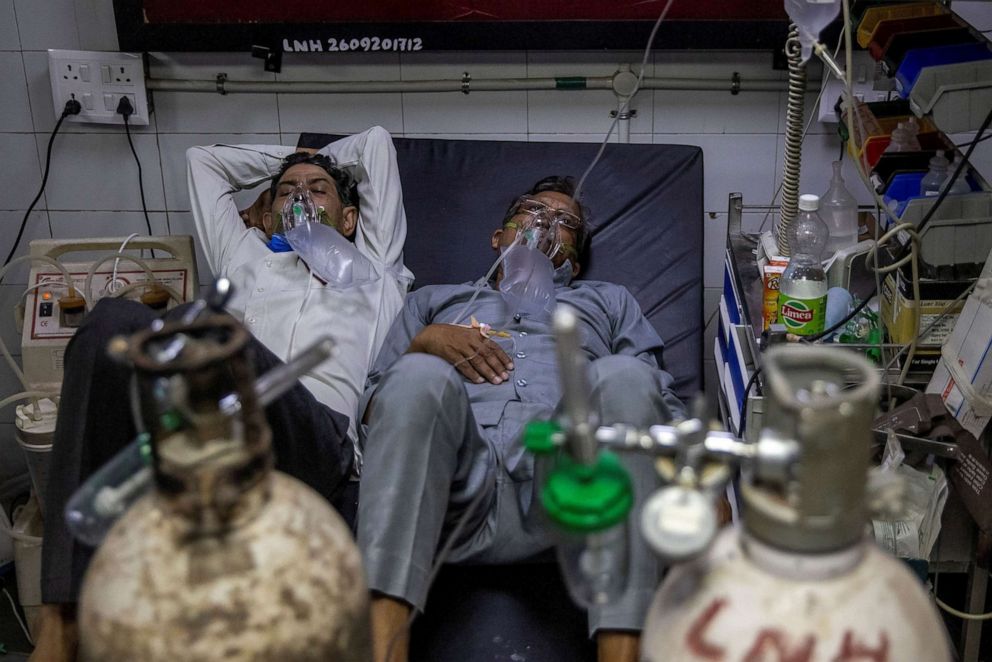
934 179
902 140
802 294
940 172
839 210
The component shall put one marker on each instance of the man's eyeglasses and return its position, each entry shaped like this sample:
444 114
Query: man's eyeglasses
542 223
539 211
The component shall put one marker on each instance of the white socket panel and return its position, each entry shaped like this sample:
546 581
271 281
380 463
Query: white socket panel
98 80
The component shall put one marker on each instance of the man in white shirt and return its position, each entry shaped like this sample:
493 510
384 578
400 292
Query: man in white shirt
281 302
274 295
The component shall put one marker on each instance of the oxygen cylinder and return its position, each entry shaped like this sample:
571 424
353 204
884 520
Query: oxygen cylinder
226 558
801 581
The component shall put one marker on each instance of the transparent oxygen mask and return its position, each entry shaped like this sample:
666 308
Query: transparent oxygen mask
317 240
299 209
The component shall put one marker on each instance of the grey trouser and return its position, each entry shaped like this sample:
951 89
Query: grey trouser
426 459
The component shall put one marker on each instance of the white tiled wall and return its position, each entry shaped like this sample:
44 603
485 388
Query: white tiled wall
92 188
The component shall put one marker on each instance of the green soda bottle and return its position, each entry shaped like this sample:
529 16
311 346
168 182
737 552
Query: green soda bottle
802 296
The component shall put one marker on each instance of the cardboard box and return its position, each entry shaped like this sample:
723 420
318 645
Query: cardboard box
964 376
898 305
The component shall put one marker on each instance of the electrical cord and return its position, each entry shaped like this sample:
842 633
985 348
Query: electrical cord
955 612
17 615
72 107
809 123
972 142
125 109
115 284
747 392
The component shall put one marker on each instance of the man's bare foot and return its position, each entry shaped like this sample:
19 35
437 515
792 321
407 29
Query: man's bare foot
58 635
617 646
390 635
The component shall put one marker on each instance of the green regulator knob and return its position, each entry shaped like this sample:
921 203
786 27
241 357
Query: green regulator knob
540 437
587 498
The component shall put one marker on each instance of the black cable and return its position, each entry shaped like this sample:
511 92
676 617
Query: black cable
72 107
957 172
972 142
747 392
126 110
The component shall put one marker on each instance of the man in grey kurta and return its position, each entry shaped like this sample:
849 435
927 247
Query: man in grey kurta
447 408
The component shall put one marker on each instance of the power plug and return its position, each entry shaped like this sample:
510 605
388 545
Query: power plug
72 107
125 108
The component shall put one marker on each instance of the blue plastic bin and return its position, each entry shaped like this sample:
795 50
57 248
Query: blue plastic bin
906 186
902 188
918 58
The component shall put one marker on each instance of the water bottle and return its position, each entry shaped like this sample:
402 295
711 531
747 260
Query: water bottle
934 179
839 210
902 140
960 184
937 177
802 293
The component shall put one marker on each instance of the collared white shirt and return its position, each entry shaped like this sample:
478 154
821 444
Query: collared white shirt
274 294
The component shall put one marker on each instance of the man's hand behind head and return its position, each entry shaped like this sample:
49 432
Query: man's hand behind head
257 215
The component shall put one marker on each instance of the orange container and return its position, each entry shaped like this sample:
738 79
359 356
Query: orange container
868 150
873 16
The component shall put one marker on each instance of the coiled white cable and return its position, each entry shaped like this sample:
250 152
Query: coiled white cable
112 285
116 256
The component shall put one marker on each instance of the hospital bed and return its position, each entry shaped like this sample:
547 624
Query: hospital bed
646 216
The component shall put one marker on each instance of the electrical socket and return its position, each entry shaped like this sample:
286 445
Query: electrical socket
97 80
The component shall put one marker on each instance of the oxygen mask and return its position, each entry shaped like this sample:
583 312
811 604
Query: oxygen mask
315 237
540 227
299 209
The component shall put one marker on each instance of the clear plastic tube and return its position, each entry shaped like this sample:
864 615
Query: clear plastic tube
107 494
484 281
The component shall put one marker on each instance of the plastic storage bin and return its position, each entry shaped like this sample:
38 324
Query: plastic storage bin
903 187
956 96
917 59
891 165
875 15
888 30
960 231
870 150
906 42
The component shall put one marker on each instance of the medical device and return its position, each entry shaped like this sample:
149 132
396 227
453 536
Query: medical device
54 308
800 574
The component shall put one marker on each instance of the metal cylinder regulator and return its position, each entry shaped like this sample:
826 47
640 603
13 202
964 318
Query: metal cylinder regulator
802 480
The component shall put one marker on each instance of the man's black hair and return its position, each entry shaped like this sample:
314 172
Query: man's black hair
346 187
566 185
